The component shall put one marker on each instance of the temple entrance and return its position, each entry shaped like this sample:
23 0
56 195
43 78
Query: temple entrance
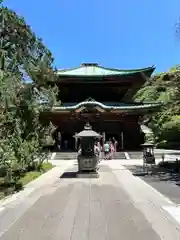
110 136
117 137
126 133
67 142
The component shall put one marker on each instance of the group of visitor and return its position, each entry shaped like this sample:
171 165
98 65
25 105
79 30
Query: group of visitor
109 148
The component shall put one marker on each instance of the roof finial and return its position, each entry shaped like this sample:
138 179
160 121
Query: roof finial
87 126
89 64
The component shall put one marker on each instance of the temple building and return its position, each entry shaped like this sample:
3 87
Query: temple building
104 98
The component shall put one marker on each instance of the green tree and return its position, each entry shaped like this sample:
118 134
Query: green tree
23 57
164 87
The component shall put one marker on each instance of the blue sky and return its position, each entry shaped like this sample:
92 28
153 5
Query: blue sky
118 33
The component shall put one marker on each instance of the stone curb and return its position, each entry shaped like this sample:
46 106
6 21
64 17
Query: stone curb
34 185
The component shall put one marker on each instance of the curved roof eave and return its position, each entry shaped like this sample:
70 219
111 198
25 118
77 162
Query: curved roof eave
98 71
107 107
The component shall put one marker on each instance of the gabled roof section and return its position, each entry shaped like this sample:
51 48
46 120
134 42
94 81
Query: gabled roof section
94 70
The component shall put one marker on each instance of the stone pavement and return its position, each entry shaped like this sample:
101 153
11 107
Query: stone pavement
115 206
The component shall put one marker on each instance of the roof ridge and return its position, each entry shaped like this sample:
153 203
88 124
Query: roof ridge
127 70
99 71
106 68
69 69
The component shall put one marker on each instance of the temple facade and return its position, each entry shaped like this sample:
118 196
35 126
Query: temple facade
104 98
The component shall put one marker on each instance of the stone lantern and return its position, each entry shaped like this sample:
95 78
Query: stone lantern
148 153
87 158
148 160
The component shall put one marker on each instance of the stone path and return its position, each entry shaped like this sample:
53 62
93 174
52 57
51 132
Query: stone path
115 206
165 183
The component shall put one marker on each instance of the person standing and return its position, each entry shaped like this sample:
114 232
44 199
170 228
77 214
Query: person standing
100 149
106 149
58 141
99 145
111 145
115 143
97 151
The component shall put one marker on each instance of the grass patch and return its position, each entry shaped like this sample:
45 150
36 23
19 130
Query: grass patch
47 166
27 177
30 176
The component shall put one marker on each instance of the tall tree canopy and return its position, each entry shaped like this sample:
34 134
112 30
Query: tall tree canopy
25 68
164 87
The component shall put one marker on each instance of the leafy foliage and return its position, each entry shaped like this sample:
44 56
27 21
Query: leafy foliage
164 87
25 69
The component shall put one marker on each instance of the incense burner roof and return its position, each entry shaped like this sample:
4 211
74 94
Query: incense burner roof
87 132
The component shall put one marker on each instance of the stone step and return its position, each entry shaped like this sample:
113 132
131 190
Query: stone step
158 153
139 155
135 155
73 155
65 155
117 155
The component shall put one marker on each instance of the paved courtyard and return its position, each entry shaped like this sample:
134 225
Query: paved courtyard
115 206
166 183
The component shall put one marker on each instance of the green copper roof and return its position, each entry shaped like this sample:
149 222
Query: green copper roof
107 106
90 70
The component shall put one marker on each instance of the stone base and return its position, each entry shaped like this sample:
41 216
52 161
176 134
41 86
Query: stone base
140 174
87 175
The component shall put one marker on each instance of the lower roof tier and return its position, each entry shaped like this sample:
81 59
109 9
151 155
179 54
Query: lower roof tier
106 106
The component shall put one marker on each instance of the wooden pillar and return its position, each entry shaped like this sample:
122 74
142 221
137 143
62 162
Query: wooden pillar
104 137
76 142
59 135
59 140
122 141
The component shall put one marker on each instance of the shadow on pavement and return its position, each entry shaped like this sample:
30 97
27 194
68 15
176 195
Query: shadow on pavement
164 177
164 171
68 175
